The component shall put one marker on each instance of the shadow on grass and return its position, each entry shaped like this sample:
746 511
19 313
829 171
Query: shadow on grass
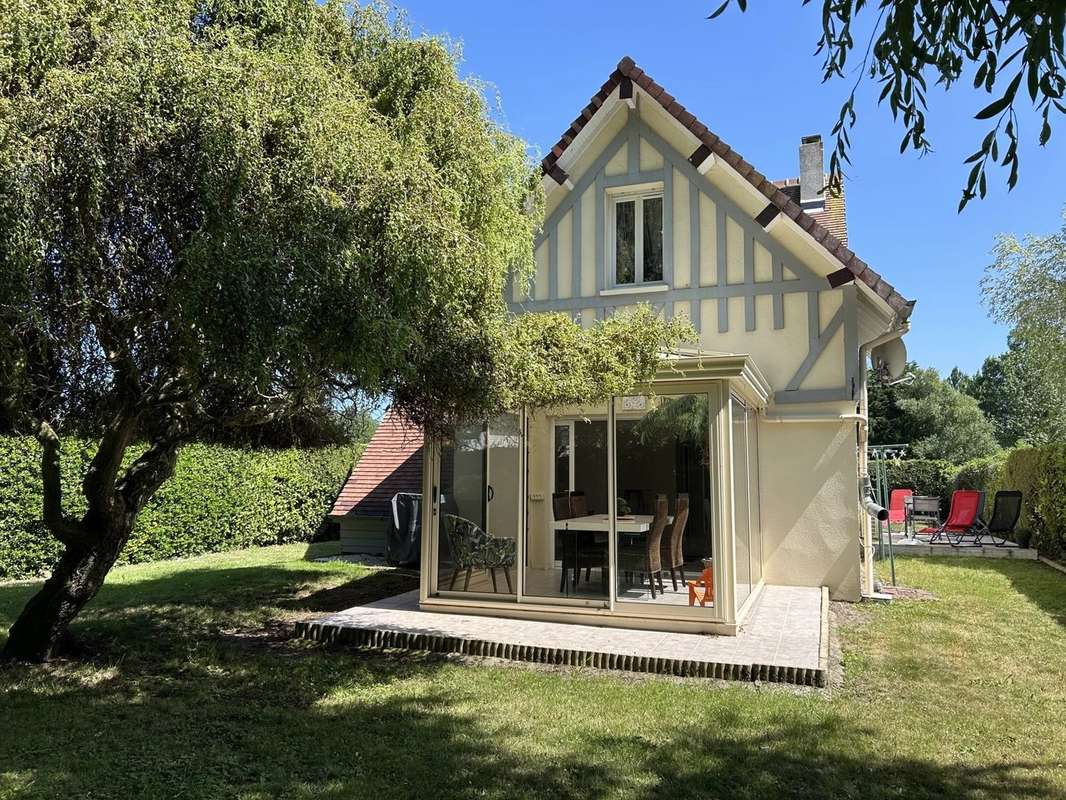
175 710
345 726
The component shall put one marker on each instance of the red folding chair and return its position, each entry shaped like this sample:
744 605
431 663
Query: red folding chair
964 518
897 508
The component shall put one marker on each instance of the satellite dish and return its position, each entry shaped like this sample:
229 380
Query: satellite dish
890 359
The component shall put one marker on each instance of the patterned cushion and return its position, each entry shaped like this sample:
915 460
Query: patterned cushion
475 549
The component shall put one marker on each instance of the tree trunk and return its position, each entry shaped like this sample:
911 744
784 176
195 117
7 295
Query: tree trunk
94 542
40 630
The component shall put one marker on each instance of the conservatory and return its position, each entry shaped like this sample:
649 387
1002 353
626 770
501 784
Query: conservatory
642 512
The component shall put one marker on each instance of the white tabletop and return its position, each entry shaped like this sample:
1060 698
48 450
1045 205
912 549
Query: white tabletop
631 523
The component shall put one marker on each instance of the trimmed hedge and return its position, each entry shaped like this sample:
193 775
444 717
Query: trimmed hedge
220 498
927 477
1039 473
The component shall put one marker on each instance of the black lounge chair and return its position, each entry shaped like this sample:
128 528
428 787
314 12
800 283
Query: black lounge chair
1006 510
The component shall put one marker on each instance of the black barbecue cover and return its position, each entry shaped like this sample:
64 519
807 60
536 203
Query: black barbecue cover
403 541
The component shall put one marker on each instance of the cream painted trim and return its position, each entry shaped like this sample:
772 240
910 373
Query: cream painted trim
597 616
755 387
636 288
749 603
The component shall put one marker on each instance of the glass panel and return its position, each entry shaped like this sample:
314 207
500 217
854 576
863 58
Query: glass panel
562 458
566 557
741 524
754 512
625 241
653 239
664 504
479 508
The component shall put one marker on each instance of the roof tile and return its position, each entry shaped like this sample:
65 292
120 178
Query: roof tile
391 463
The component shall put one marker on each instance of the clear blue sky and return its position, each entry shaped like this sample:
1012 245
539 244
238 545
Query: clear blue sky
753 79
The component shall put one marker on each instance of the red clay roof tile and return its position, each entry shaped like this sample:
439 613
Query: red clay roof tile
391 463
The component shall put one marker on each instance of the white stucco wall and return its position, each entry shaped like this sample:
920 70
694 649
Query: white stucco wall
809 496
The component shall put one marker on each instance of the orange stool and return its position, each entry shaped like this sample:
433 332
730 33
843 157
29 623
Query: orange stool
702 589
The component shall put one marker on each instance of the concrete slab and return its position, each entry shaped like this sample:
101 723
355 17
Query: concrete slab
781 641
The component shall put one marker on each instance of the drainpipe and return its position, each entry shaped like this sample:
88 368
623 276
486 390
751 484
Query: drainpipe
872 509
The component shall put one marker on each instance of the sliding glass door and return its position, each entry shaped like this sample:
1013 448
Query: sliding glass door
663 462
567 529
480 508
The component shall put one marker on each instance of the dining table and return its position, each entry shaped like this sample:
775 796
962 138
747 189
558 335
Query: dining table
591 524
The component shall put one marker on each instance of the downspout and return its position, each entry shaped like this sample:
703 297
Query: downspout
873 510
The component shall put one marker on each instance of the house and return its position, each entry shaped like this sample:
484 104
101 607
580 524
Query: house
390 463
742 465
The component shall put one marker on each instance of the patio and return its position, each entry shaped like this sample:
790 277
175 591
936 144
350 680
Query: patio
912 546
783 640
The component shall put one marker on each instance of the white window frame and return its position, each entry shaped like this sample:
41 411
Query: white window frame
637 195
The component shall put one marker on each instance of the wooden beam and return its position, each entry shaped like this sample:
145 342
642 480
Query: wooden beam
768 215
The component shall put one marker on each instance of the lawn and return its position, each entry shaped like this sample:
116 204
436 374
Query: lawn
191 689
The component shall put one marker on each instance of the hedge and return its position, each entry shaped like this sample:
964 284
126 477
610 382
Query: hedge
1039 473
927 477
220 498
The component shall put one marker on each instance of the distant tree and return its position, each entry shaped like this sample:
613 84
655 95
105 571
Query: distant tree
932 417
959 380
1013 47
1025 288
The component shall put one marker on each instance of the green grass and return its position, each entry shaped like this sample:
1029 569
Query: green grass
195 691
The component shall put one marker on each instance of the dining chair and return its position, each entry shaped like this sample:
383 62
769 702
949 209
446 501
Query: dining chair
591 548
561 505
647 559
673 556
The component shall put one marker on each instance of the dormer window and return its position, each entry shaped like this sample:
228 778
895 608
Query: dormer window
637 237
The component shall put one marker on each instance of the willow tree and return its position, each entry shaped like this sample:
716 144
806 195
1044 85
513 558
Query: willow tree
226 211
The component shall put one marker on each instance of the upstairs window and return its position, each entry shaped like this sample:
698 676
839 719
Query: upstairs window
637 255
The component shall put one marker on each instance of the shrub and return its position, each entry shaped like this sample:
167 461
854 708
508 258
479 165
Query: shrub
929 477
220 498
984 474
1039 473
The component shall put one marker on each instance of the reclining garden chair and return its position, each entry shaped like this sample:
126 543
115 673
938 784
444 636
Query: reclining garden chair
897 509
1006 510
964 518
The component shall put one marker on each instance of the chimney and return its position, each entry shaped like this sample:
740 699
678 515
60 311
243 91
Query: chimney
812 174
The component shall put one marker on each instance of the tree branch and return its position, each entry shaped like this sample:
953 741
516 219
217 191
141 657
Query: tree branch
148 473
64 528
99 481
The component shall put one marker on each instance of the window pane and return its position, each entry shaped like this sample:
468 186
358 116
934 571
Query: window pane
741 518
663 473
625 238
562 458
563 558
653 239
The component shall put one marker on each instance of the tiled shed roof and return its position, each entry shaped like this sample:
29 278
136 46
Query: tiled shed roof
391 463
834 218
628 73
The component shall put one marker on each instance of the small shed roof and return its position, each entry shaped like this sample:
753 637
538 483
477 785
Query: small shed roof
391 463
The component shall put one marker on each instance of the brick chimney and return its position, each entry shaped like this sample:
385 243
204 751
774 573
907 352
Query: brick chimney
812 174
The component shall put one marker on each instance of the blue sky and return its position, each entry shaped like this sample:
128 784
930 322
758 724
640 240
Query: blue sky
753 79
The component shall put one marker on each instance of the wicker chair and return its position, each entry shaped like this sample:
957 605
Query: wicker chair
673 556
646 559
472 549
